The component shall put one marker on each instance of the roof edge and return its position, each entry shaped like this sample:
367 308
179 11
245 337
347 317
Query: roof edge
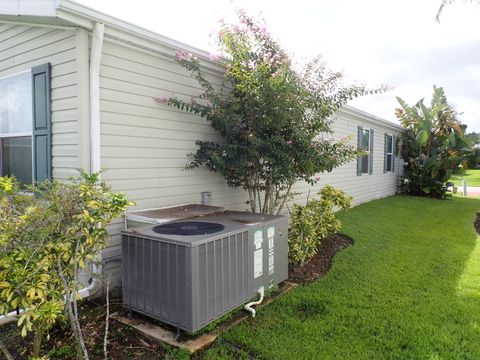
347 109
29 7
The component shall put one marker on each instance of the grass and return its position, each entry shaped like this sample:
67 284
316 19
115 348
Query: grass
472 177
409 288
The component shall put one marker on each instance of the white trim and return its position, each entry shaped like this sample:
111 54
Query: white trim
95 59
83 96
15 74
372 119
48 26
10 135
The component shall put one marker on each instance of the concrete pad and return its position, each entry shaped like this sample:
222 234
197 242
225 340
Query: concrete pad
201 342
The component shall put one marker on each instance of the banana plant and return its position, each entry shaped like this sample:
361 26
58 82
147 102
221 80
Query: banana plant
432 145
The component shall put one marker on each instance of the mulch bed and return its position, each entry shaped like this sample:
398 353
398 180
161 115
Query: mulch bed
319 265
124 343
477 223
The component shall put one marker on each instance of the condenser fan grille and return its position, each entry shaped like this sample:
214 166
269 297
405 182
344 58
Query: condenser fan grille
188 228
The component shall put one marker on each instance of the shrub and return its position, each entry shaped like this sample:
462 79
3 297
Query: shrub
433 144
312 223
46 236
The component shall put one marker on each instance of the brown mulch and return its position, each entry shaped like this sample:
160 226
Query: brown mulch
124 343
477 223
321 263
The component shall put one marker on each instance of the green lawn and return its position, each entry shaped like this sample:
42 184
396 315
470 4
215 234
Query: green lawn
472 177
408 289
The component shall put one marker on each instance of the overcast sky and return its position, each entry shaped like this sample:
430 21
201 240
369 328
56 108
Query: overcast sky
395 43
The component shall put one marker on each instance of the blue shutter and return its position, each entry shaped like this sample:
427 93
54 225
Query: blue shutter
359 144
42 123
370 157
393 153
385 156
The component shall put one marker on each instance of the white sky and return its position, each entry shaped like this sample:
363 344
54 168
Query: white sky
392 42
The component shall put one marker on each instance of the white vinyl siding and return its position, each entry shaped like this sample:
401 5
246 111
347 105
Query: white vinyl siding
361 188
145 146
23 47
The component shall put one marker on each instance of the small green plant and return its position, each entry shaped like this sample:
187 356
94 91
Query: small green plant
315 221
46 237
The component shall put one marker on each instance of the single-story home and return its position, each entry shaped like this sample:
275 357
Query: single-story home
77 90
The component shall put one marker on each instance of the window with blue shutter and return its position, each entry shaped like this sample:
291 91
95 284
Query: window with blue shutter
25 125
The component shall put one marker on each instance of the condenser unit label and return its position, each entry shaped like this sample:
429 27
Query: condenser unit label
257 263
271 236
258 239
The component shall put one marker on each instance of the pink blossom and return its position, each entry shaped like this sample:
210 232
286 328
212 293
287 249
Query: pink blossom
161 100
209 103
181 55
289 142
214 57
250 136
317 178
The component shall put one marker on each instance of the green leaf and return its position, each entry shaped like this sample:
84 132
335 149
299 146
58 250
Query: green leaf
422 137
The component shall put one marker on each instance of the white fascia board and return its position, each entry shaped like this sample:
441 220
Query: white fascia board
367 117
131 34
29 7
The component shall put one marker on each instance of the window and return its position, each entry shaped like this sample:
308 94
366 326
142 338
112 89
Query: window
365 144
16 127
389 157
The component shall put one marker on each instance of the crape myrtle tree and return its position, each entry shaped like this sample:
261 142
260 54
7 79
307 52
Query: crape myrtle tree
270 115
433 144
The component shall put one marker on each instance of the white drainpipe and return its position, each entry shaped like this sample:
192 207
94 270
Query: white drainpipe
95 58
248 307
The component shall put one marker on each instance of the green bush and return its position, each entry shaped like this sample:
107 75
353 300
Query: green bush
48 233
312 223
433 145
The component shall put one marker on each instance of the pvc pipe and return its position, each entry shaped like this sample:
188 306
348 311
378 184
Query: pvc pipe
248 307
95 59
464 185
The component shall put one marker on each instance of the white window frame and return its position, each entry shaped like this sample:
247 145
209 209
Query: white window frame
369 149
389 136
19 134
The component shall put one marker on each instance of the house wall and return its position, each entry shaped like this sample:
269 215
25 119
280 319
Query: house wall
365 187
23 47
145 145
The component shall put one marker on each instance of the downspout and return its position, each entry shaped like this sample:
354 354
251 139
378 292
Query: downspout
95 59
95 157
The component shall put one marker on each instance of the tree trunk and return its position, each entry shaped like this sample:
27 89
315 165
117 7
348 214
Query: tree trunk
285 197
6 352
77 330
37 342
